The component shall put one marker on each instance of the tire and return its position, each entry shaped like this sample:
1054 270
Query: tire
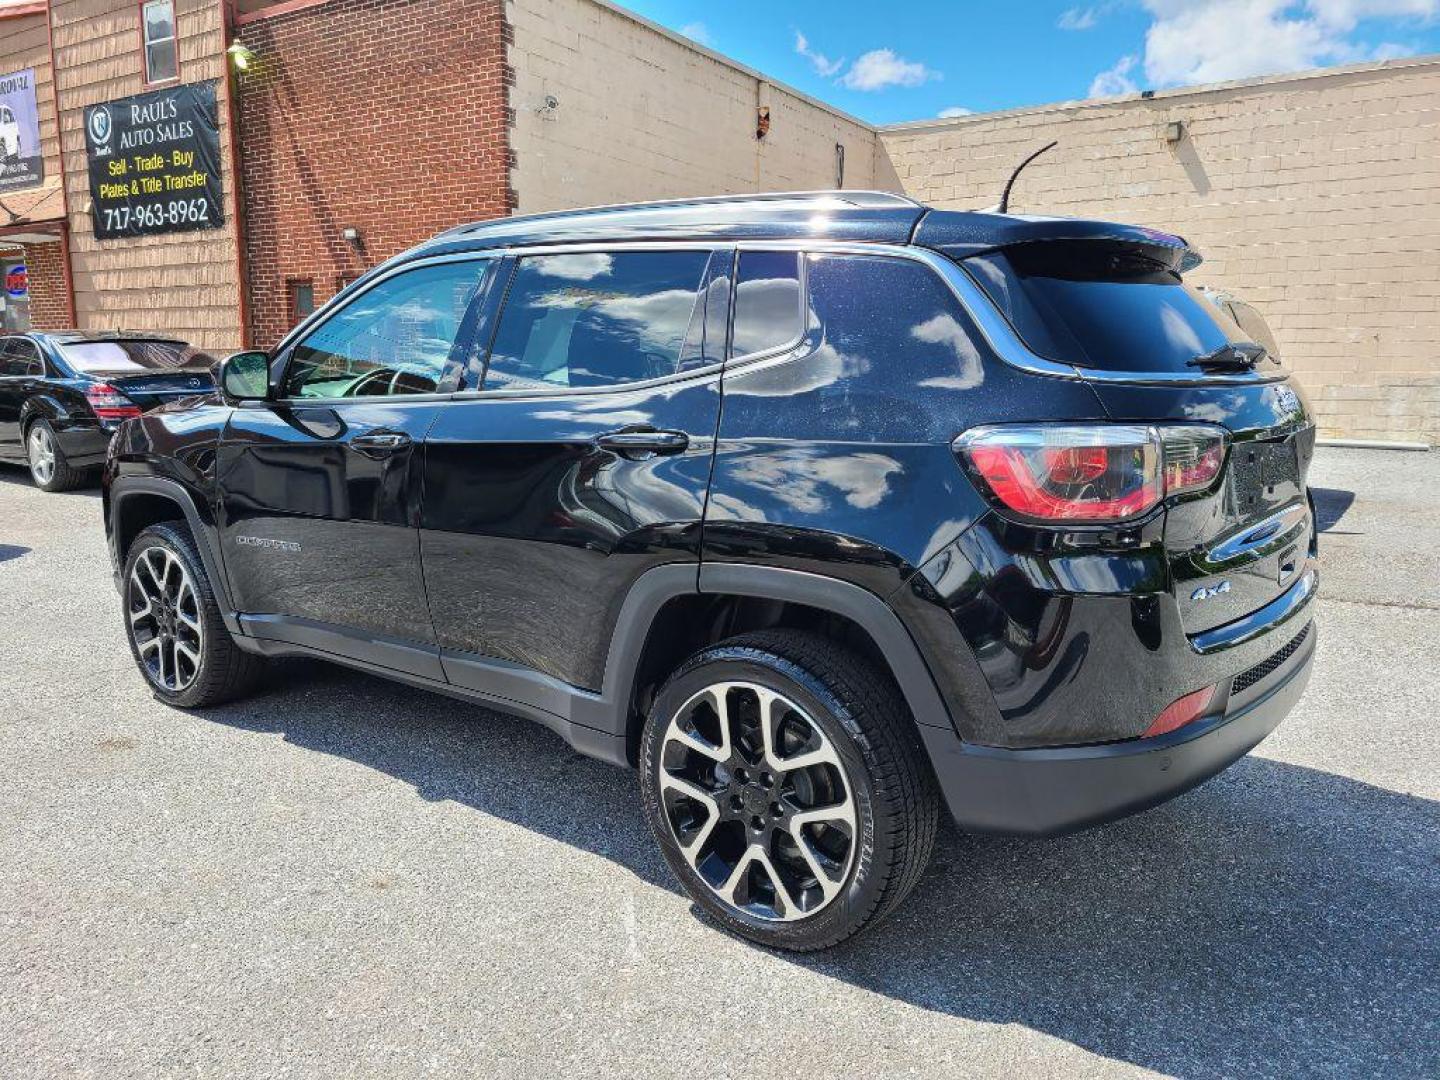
48 467
838 728
174 626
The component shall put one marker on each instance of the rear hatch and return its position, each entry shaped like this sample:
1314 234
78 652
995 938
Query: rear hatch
1156 350
147 371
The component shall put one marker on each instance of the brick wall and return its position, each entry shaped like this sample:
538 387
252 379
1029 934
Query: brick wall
49 308
386 116
1315 197
642 113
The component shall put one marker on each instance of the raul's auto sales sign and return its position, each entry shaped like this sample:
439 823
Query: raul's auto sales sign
154 162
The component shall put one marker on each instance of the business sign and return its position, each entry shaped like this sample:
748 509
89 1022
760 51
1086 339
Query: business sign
155 162
21 163
17 283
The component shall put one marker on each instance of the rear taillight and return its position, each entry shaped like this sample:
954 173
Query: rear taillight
109 403
1092 472
1180 712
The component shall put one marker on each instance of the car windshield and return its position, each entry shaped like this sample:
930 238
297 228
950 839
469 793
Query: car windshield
1103 306
133 357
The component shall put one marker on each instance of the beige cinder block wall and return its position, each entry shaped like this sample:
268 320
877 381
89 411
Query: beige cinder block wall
183 283
642 113
1316 197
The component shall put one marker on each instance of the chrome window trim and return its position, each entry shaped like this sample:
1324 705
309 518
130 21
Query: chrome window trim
996 329
993 326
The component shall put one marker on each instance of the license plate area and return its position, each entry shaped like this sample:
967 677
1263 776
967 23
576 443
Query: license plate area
1264 475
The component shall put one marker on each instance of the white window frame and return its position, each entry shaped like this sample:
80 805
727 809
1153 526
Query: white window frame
146 42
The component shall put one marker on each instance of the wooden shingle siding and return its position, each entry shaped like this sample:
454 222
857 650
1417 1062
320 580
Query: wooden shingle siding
182 283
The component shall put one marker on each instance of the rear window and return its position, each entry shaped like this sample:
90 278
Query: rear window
132 357
1104 306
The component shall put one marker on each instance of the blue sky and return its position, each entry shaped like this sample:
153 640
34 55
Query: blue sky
916 60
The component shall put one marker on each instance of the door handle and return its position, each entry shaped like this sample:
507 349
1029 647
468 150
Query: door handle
633 443
378 444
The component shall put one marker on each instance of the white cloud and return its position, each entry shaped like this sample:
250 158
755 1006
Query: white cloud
1200 41
698 31
1116 80
1077 18
879 68
953 111
823 65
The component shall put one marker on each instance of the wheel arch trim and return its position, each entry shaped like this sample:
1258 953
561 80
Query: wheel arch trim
653 589
205 534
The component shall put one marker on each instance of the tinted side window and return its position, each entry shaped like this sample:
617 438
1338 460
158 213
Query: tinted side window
394 338
767 301
20 357
596 319
1099 305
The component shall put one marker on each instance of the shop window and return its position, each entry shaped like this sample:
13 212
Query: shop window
301 292
157 27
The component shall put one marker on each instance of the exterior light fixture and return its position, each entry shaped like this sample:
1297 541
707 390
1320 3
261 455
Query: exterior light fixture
242 57
1174 131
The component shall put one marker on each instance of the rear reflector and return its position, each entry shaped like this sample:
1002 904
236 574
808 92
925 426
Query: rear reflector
1181 712
109 403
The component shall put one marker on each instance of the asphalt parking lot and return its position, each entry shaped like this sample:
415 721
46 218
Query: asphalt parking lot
345 877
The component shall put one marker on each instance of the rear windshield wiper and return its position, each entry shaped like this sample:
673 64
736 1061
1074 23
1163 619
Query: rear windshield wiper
1232 356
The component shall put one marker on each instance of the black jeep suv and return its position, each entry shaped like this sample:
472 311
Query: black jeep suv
819 509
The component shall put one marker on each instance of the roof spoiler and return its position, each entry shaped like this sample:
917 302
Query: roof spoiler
961 234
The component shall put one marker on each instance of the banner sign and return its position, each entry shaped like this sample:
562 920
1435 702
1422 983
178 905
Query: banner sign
21 163
155 162
17 282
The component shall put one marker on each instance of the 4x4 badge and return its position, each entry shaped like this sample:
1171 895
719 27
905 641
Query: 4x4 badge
1205 592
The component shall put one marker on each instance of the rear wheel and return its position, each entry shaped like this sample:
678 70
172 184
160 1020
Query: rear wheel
48 467
788 789
174 626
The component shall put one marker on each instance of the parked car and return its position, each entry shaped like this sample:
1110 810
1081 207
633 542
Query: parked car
63 394
822 510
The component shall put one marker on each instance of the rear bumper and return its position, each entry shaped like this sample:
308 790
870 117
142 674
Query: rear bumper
84 442
1052 791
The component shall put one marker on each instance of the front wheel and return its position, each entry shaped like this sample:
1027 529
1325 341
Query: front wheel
173 623
788 789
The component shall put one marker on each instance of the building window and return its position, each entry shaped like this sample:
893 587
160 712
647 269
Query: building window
302 299
157 27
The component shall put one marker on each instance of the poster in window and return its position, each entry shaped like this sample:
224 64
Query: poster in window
154 162
22 164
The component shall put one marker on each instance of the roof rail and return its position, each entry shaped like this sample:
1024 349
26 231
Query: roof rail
859 198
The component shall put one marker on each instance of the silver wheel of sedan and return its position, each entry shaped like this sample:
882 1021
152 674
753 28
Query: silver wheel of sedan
164 619
757 799
41 450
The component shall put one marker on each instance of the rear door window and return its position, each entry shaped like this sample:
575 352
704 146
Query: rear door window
598 319
767 302
1103 306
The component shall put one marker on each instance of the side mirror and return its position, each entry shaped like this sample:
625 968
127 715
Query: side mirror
245 376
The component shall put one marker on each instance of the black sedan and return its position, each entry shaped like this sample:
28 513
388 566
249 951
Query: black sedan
63 393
